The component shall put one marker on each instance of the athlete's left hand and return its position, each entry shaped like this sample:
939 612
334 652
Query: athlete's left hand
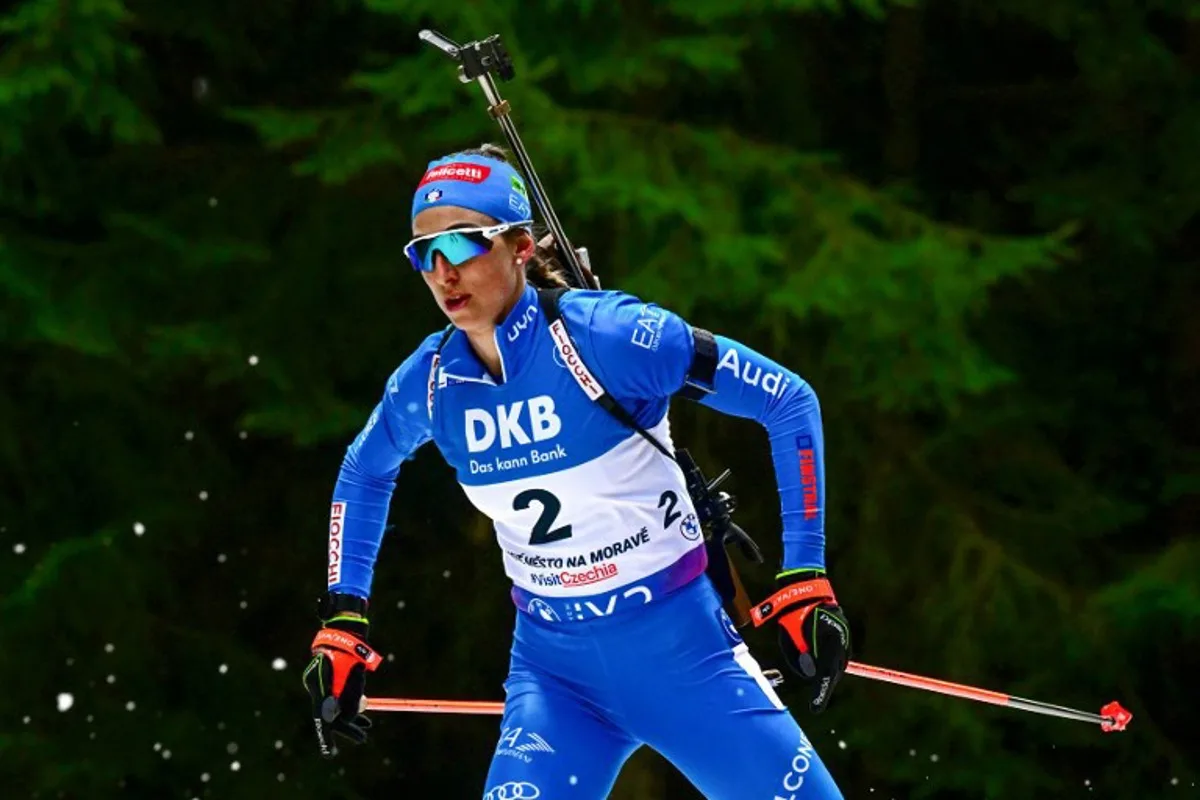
813 632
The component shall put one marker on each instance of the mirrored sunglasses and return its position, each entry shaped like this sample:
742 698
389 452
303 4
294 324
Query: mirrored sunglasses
456 246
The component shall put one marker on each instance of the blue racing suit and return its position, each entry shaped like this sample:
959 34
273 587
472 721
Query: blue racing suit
621 639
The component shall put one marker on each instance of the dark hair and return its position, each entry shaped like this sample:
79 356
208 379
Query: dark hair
544 270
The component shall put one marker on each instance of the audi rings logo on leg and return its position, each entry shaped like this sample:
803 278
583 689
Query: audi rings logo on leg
513 790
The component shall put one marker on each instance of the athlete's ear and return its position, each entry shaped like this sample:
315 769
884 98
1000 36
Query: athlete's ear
523 246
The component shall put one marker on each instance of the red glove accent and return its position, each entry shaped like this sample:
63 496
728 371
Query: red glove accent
344 650
795 596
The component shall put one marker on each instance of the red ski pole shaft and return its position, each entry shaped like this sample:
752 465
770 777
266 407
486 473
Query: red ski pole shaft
434 706
1112 717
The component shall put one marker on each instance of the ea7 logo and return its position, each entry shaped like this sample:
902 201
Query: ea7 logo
522 744
482 427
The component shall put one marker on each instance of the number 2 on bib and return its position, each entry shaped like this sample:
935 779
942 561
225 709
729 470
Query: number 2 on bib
551 505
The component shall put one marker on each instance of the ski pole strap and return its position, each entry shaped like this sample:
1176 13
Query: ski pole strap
342 642
809 592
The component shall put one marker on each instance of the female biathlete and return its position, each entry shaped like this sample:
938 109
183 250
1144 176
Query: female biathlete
620 638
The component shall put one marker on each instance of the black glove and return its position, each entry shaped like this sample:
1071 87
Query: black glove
336 679
813 632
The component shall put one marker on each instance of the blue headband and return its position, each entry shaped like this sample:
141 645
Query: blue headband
481 184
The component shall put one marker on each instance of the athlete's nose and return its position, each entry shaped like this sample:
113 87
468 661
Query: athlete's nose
443 271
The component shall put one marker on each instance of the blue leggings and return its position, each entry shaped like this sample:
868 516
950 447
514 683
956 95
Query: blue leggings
673 675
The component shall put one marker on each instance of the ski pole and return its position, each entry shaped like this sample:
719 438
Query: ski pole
1112 717
432 706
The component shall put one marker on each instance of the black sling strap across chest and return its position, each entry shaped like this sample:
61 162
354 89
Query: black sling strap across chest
699 376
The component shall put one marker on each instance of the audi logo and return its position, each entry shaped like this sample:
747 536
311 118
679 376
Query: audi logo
513 790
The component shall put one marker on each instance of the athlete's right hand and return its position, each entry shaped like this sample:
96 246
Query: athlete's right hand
336 679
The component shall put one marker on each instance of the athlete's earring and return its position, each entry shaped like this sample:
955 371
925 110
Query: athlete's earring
520 261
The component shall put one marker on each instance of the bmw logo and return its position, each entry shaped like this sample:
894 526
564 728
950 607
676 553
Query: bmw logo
690 528
543 610
730 629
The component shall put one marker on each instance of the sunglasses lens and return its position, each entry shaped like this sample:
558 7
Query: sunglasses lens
455 246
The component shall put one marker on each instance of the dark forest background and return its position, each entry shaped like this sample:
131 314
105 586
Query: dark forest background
972 226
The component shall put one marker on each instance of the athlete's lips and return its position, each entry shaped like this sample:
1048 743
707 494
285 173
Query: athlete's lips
457 303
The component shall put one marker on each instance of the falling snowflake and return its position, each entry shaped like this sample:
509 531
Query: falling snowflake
223 669
400 605
841 744
253 360
235 766
204 777
231 748
189 435
278 744
241 434
138 529
278 665
220 558
111 679
446 574
108 648
933 757
65 701
212 202
203 495
130 706
18 548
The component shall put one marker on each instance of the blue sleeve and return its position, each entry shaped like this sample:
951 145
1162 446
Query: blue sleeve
748 384
398 425
641 353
